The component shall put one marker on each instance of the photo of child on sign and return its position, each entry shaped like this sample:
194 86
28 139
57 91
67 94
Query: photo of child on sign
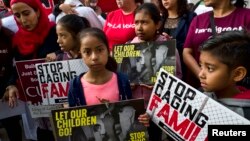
142 61
104 122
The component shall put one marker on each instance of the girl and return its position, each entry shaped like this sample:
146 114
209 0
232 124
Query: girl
176 19
67 29
147 24
101 77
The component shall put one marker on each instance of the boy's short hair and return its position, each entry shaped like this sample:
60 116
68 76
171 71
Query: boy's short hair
232 48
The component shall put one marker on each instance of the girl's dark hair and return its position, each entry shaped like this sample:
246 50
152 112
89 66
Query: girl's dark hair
99 34
232 48
240 3
150 9
74 23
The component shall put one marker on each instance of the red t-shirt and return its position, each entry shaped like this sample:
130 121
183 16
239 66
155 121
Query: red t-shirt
119 28
200 28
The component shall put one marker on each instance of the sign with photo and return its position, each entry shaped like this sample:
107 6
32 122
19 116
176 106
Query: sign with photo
108 121
142 61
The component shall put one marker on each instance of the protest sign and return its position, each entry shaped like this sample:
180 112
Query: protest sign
109 121
142 61
183 112
28 78
6 111
54 79
30 88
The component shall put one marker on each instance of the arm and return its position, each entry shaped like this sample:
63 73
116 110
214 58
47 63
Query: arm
188 50
90 15
190 61
68 8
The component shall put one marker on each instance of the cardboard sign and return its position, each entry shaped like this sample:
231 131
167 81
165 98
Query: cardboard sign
6 111
54 79
183 112
142 61
30 88
110 121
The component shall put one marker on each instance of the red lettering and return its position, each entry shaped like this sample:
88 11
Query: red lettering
195 133
63 91
44 90
54 90
189 130
184 128
164 112
58 90
206 139
154 102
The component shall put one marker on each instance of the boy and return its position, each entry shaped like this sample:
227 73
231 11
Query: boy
224 62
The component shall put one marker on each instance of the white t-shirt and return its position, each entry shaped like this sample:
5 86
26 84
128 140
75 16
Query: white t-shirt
86 12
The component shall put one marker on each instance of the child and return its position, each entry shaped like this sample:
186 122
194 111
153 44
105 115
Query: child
102 67
101 83
67 29
147 24
224 62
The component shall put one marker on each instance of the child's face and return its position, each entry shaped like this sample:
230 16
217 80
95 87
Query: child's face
214 75
145 28
94 53
64 38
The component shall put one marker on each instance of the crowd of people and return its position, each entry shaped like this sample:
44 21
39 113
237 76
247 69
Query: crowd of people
212 49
